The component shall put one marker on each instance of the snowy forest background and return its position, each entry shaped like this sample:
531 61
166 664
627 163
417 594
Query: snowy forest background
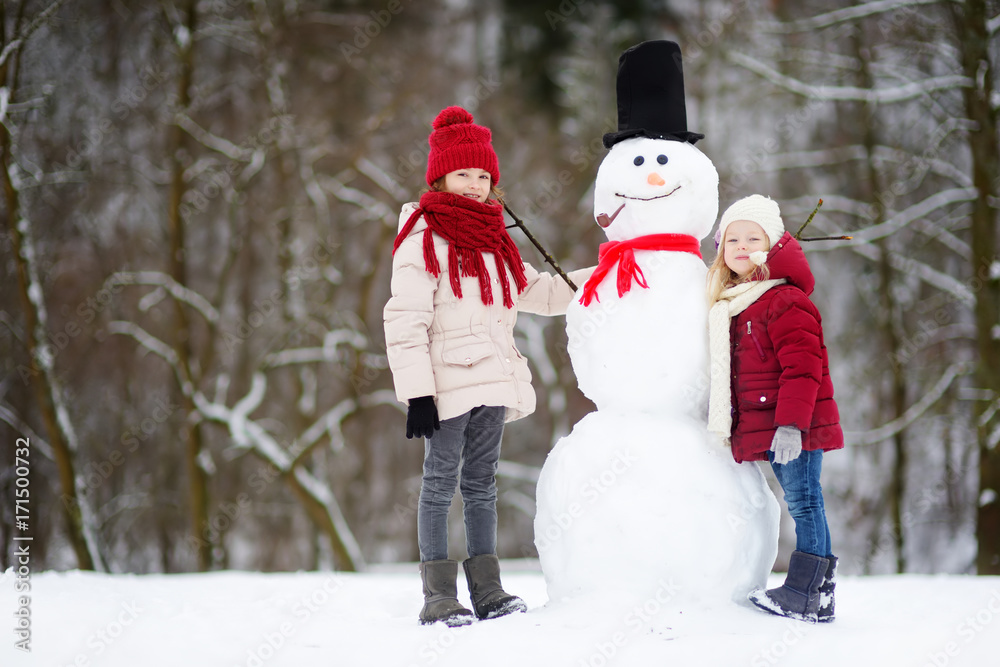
199 204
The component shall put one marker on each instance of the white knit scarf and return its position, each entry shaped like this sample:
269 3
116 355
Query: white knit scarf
732 302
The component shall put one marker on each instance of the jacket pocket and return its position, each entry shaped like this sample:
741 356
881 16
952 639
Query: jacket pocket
753 336
462 353
758 399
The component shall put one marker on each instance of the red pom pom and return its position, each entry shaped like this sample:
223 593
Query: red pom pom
452 116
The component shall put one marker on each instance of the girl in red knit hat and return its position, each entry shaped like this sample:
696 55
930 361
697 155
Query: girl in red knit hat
771 392
458 282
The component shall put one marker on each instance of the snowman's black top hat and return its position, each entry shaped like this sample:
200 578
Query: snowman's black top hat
651 95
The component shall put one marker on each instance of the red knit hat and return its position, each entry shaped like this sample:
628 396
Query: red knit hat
456 143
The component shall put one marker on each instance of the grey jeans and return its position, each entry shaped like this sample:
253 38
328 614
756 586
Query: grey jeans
469 444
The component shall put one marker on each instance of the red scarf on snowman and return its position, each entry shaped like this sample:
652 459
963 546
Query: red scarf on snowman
470 228
623 253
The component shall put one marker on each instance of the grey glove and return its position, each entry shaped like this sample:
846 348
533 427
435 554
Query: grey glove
787 444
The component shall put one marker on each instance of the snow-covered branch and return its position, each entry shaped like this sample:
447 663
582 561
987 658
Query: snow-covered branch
154 345
919 210
850 93
249 433
913 413
327 353
35 24
166 282
827 157
904 264
8 415
360 199
212 141
382 179
328 423
838 16
322 494
316 195
993 25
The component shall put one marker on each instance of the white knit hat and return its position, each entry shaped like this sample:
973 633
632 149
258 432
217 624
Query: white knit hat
755 208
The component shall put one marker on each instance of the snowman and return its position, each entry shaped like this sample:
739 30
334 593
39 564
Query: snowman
639 497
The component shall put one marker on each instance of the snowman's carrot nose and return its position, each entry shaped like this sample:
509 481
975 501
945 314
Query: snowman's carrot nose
654 179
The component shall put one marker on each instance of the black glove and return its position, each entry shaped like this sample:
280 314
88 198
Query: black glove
422 418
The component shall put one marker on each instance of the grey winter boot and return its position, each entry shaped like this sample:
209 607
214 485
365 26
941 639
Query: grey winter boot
798 597
441 594
488 597
825 613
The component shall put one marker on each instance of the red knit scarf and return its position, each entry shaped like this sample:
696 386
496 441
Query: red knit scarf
470 228
623 252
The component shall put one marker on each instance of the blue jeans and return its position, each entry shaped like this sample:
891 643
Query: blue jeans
799 479
470 443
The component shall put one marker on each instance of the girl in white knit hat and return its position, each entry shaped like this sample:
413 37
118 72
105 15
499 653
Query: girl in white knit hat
771 396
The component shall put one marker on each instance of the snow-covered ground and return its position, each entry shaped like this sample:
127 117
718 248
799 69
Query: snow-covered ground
241 619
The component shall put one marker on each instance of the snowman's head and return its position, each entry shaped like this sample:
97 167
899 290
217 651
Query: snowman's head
656 186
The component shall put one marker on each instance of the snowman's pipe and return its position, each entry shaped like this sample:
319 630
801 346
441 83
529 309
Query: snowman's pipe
545 253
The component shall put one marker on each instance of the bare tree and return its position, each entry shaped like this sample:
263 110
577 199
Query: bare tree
42 374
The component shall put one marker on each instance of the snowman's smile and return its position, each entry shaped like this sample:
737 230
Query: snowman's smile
618 194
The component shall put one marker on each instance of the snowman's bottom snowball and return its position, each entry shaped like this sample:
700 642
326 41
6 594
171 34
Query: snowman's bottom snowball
636 502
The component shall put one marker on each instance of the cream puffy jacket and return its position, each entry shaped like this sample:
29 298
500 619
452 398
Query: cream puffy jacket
461 351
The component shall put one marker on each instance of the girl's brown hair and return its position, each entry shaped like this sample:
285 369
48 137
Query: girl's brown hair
438 186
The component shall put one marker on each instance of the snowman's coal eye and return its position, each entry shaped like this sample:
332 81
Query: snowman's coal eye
662 159
638 160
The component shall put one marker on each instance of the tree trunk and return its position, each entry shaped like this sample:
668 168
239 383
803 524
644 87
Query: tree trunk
197 479
887 318
973 40
58 426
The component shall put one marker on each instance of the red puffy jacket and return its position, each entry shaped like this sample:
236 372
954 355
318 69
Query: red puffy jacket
780 375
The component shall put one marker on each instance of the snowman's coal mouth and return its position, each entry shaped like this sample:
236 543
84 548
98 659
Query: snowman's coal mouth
618 194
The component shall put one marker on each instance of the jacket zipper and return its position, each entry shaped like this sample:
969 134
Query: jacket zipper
760 350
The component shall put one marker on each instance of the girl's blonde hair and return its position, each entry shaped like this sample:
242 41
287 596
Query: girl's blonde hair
721 277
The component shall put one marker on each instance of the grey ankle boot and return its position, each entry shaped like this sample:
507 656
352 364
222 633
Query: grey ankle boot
826 590
489 600
798 597
441 594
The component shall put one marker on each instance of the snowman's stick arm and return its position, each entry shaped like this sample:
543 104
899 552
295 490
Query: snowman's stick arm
545 253
798 234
